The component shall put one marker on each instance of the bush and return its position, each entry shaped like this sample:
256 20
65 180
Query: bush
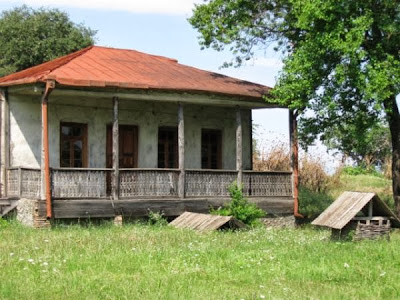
360 170
240 208
157 219
313 203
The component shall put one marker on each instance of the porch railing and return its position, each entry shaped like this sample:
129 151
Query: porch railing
23 182
74 183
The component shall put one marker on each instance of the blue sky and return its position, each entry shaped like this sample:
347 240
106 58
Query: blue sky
160 27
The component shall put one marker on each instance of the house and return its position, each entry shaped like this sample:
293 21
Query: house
104 132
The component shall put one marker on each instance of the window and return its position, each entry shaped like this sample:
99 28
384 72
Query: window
73 145
211 140
128 146
168 147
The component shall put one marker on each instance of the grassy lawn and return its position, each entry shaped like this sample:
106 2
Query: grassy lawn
149 262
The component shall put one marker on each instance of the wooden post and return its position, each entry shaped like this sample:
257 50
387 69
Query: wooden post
181 150
115 148
251 138
294 149
370 208
239 158
19 182
5 114
45 165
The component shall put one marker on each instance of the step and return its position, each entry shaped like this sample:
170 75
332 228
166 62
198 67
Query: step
4 202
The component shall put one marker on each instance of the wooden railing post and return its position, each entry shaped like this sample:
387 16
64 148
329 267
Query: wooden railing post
4 141
181 150
239 159
115 148
19 182
294 149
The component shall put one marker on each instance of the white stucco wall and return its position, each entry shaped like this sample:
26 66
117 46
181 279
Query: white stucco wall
25 129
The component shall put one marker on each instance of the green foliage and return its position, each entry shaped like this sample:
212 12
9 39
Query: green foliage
240 208
157 219
29 37
360 170
313 203
3 223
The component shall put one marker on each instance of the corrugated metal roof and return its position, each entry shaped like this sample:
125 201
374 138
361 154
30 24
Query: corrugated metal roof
204 222
109 67
346 207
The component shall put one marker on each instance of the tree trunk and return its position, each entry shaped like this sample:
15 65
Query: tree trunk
393 118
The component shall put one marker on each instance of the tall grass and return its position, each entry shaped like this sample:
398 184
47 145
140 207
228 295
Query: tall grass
152 262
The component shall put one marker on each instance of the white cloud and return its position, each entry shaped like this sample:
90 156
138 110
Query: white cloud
169 7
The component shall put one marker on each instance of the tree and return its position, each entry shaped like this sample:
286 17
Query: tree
29 37
373 150
341 60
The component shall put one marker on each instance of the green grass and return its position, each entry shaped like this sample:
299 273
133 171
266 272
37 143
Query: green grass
150 262
312 203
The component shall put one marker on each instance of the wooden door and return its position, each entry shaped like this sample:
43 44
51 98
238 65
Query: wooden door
128 146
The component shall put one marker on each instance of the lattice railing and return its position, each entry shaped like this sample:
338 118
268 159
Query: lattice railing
79 183
148 182
24 183
208 182
267 184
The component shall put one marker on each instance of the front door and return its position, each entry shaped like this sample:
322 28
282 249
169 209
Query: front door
128 146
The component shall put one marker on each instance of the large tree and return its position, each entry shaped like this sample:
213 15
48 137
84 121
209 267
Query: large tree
341 59
31 36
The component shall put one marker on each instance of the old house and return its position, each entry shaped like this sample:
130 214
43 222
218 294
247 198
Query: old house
104 132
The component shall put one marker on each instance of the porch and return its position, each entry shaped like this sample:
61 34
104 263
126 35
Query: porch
89 192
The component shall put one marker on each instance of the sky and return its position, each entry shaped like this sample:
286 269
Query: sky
160 27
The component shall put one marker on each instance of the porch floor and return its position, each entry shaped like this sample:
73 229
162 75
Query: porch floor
171 207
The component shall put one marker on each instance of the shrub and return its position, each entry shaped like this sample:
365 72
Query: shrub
313 203
240 208
157 218
360 170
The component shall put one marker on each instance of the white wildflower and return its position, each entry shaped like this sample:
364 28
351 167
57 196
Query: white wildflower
36 248
346 265
382 274
261 286
46 241
45 264
11 254
262 296
30 260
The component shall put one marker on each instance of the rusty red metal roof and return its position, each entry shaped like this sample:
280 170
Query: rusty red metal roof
109 67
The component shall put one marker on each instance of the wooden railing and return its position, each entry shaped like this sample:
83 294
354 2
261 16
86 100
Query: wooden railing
208 182
148 182
23 183
267 184
76 183
79 183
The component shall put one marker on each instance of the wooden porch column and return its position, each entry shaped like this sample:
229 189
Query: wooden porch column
181 151
239 158
115 148
45 163
5 113
294 151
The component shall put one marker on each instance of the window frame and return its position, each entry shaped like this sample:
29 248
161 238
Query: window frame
72 139
218 155
174 130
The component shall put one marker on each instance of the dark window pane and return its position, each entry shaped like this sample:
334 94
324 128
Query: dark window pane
65 130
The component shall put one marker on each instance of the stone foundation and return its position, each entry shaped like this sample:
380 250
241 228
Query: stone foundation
28 214
280 221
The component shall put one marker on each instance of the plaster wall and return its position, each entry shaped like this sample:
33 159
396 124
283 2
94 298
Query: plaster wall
25 129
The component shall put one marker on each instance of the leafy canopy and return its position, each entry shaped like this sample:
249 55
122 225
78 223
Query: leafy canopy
341 58
29 37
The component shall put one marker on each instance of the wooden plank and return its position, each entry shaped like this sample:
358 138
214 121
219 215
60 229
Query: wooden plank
203 222
181 151
115 149
239 146
5 140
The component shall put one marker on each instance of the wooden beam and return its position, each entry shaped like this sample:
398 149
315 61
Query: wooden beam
115 148
45 164
239 146
5 141
181 151
294 149
251 138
